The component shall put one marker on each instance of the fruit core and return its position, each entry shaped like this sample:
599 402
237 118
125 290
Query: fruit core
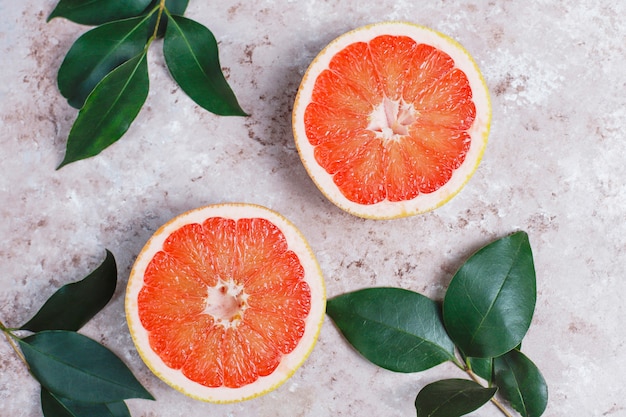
226 303
391 119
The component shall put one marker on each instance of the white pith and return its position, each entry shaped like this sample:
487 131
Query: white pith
226 303
391 119
289 363
479 130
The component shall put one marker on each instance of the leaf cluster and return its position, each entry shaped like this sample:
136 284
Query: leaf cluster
485 314
79 377
105 72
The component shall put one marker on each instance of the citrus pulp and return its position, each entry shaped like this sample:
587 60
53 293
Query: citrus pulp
225 302
391 120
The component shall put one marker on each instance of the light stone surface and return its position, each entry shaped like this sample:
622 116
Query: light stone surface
554 167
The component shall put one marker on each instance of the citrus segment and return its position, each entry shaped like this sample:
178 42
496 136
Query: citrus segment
391 120
225 302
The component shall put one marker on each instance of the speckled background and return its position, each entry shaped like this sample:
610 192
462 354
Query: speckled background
554 167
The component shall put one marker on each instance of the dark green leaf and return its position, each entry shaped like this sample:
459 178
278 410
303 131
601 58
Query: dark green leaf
55 406
75 367
521 383
451 398
483 367
394 328
73 305
109 110
97 12
191 55
490 302
118 409
174 7
97 52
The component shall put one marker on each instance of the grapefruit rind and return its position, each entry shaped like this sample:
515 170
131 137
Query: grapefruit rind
479 131
289 363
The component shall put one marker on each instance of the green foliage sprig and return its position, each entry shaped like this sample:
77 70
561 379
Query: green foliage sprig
485 314
105 72
79 377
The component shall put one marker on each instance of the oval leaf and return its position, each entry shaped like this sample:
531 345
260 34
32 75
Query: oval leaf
490 302
521 383
55 406
396 329
191 54
75 367
97 12
73 305
97 52
451 398
109 110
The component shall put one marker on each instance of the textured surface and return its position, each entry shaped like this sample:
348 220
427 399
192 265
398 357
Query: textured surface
553 167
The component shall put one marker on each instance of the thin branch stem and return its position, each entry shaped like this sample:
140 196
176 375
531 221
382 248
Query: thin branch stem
458 364
158 21
10 336
493 399
501 407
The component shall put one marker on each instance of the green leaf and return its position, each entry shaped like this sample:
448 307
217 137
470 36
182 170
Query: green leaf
174 7
97 12
97 52
76 367
483 367
451 398
521 383
109 110
191 54
118 409
55 406
396 329
73 305
490 302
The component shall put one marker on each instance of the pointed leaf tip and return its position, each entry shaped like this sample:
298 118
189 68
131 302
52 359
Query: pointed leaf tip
191 55
490 301
109 110
50 17
78 368
451 398
396 329
74 304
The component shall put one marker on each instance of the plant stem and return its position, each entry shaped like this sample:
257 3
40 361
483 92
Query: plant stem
158 22
493 399
10 336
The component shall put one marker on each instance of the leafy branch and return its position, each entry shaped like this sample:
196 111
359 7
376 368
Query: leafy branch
105 72
79 377
485 314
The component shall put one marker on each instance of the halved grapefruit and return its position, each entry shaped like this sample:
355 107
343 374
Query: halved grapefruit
391 120
225 302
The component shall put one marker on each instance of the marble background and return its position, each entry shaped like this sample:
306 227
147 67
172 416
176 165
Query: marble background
554 167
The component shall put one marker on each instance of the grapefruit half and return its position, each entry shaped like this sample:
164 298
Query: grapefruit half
225 302
391 120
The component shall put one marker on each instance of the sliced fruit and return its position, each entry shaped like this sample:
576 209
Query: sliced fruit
391 120
225 302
